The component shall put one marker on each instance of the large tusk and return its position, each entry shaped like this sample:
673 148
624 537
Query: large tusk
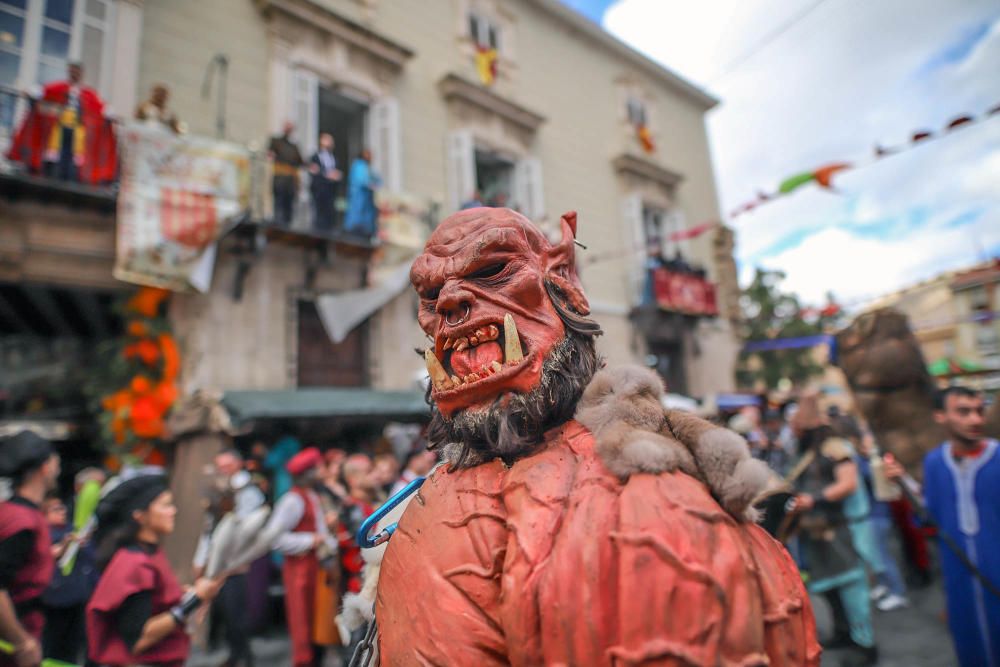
512 342
439 377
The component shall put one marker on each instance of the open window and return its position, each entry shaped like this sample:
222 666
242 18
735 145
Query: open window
494 178
346 119
484 32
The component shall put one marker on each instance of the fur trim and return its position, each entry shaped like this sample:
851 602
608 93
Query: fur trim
633 434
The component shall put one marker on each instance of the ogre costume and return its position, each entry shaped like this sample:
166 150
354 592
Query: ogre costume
577 522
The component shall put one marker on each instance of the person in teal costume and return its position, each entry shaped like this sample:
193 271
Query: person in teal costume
362 214
281 481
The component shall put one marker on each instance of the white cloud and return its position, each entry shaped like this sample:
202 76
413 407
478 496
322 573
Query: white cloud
845 76
862 268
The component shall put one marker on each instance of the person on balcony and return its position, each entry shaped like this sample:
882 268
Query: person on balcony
285 184
65 134
154 110
362 213
323 179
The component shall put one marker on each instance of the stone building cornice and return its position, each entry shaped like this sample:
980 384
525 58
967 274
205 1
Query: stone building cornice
385 49
629 164
454 87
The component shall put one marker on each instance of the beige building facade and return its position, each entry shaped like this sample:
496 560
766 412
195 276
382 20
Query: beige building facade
553 131
556 131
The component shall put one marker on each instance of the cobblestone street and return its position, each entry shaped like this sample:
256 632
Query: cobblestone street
913 637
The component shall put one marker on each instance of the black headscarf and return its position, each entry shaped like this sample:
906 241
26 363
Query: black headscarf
23 452
129 496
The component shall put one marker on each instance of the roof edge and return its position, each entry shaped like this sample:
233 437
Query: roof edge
598 34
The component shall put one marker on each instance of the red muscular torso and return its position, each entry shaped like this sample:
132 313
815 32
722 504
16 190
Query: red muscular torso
555 561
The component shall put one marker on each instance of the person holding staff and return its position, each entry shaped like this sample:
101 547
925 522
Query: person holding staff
138 612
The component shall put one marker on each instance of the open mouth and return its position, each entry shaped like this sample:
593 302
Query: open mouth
480 352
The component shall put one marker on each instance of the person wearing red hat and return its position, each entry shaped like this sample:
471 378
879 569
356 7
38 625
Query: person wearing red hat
307 546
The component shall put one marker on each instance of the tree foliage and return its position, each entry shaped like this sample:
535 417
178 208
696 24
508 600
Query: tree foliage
769 313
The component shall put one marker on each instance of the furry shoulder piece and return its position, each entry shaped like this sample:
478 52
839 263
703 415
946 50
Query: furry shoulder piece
633 433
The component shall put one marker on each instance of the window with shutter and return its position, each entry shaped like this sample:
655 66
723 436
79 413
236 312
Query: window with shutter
634 237
529 197
385 142
461 160
305 110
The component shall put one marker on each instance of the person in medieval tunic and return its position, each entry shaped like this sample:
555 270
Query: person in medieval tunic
307 545
362 214
962 492
285 182
65 135
829 477
139 612
26 559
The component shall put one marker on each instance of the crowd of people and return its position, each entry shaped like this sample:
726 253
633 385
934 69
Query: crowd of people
842 516
835 506
120 603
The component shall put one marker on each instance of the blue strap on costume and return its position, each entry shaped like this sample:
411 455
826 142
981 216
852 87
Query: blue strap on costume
365 541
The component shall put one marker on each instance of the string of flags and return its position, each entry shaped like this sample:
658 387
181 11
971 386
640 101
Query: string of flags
823 176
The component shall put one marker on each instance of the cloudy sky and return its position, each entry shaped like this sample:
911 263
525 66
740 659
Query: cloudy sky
808 82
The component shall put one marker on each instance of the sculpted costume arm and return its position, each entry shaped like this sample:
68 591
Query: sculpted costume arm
577 522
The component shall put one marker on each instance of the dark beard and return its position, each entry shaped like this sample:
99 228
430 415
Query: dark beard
516 429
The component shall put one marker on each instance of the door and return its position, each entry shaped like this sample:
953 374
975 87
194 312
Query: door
321 363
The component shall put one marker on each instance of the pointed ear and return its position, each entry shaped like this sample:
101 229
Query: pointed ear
561 268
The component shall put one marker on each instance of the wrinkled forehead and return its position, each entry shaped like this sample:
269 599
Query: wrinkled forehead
470 237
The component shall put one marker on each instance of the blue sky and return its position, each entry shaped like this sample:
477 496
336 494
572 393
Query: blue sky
806 82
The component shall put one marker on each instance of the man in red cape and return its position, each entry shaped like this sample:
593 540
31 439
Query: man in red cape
65 134
576 522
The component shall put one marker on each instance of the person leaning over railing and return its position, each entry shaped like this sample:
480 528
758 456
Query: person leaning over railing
65 134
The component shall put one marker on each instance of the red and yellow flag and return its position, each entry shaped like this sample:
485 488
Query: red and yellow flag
486 64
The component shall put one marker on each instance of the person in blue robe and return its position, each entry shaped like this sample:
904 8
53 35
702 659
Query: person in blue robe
962 495
362 213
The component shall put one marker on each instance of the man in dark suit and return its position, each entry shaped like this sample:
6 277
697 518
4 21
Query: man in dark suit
324 177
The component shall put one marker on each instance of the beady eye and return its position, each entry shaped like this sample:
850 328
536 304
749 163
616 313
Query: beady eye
490 271
432 293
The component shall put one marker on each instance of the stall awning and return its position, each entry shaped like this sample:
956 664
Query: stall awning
322 402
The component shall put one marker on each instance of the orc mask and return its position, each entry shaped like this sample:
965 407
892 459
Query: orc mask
484 281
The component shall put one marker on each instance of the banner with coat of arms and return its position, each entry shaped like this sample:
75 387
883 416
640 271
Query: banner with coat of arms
178 195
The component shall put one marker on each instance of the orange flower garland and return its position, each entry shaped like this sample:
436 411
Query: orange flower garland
134 415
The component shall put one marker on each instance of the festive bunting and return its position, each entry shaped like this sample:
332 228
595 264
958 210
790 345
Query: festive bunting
693 232
823 176
792 183
486 64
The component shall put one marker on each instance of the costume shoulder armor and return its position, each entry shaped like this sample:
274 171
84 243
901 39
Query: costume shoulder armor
836 449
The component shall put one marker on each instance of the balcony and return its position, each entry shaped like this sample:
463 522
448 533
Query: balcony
59 225
676 287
